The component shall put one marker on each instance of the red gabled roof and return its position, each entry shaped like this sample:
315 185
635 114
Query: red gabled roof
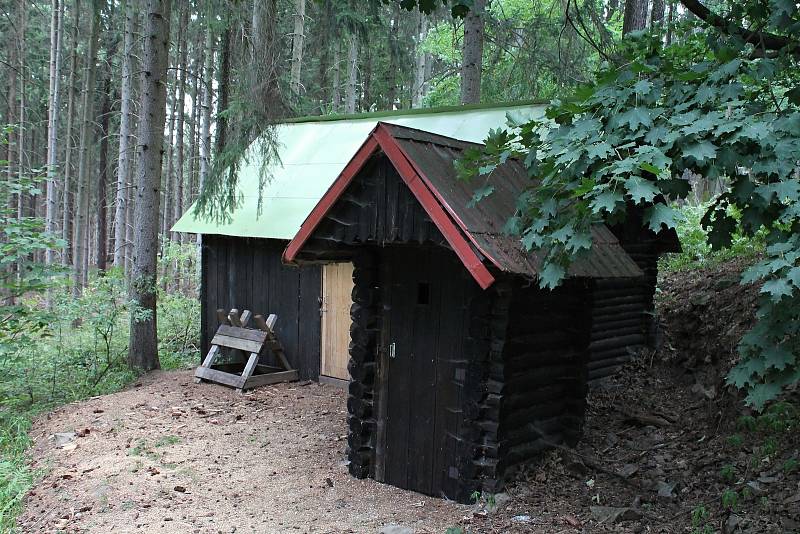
424 161
381 138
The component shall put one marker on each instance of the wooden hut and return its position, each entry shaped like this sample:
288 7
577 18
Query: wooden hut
241 252
461 367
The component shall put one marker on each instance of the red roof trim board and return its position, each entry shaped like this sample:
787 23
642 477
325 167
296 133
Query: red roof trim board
423 193
441 200
381 138
330 197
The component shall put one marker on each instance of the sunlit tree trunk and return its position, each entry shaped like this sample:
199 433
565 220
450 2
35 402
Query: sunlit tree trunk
126 142
352 74
206 114
298 39
84 165
422 61
472 59
66 201
143 346
177 200
53 112
335 93
168 192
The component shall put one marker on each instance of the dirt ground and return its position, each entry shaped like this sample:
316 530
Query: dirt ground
171 456
664 442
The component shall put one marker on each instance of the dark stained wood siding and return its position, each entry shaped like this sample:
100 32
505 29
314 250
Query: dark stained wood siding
377 208
247 273
544 386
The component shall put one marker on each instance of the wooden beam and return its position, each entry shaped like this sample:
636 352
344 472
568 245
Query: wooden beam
220 377
271 378
252 361
233 317
236 343
242 333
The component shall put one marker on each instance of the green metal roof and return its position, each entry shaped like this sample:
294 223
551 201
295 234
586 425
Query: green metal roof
314 152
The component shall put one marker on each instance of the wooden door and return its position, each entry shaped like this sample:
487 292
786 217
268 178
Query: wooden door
422 338
337 289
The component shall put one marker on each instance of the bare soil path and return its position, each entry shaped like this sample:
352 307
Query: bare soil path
170 456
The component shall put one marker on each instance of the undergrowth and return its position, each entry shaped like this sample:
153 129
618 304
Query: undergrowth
697 252
76 350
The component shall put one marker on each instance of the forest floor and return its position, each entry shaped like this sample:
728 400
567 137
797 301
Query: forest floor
667 448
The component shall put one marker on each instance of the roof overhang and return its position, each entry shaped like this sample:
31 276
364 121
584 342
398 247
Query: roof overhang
381 139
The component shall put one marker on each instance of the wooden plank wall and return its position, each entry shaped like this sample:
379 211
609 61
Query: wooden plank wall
376 208
247 273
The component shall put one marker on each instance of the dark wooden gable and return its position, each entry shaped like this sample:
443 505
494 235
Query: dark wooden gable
377 208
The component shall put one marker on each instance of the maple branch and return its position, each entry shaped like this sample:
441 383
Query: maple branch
769 41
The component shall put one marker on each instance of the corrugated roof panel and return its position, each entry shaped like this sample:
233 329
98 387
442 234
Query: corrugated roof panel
433 157
313 154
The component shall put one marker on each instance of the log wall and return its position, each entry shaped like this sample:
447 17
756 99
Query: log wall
540 375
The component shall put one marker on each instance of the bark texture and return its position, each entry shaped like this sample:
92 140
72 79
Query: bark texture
143 347
298 39
635 16
126 147
81 236
472 62
54 104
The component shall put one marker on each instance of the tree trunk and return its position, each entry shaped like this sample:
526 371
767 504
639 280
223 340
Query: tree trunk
208 103
352 74
126 147
177 200
86 141
168 192
21 155
101 234
472 62
196 96
298 39
11 119
420 80
613 6
54 108
657 14
143 346
66 201
670 22
336 97
223 89
635 16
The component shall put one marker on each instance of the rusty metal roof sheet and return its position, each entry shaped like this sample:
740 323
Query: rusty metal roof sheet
433 157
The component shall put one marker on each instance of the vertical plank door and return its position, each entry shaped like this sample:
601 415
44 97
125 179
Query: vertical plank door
337 288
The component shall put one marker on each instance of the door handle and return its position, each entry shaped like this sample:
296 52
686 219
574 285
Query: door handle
392 351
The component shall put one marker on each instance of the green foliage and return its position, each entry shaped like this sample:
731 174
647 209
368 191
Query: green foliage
696 251
711 104
728 473
528 54
76 350
730 499
700 524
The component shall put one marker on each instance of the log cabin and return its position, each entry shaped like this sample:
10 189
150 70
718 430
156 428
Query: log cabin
515 378
461 367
